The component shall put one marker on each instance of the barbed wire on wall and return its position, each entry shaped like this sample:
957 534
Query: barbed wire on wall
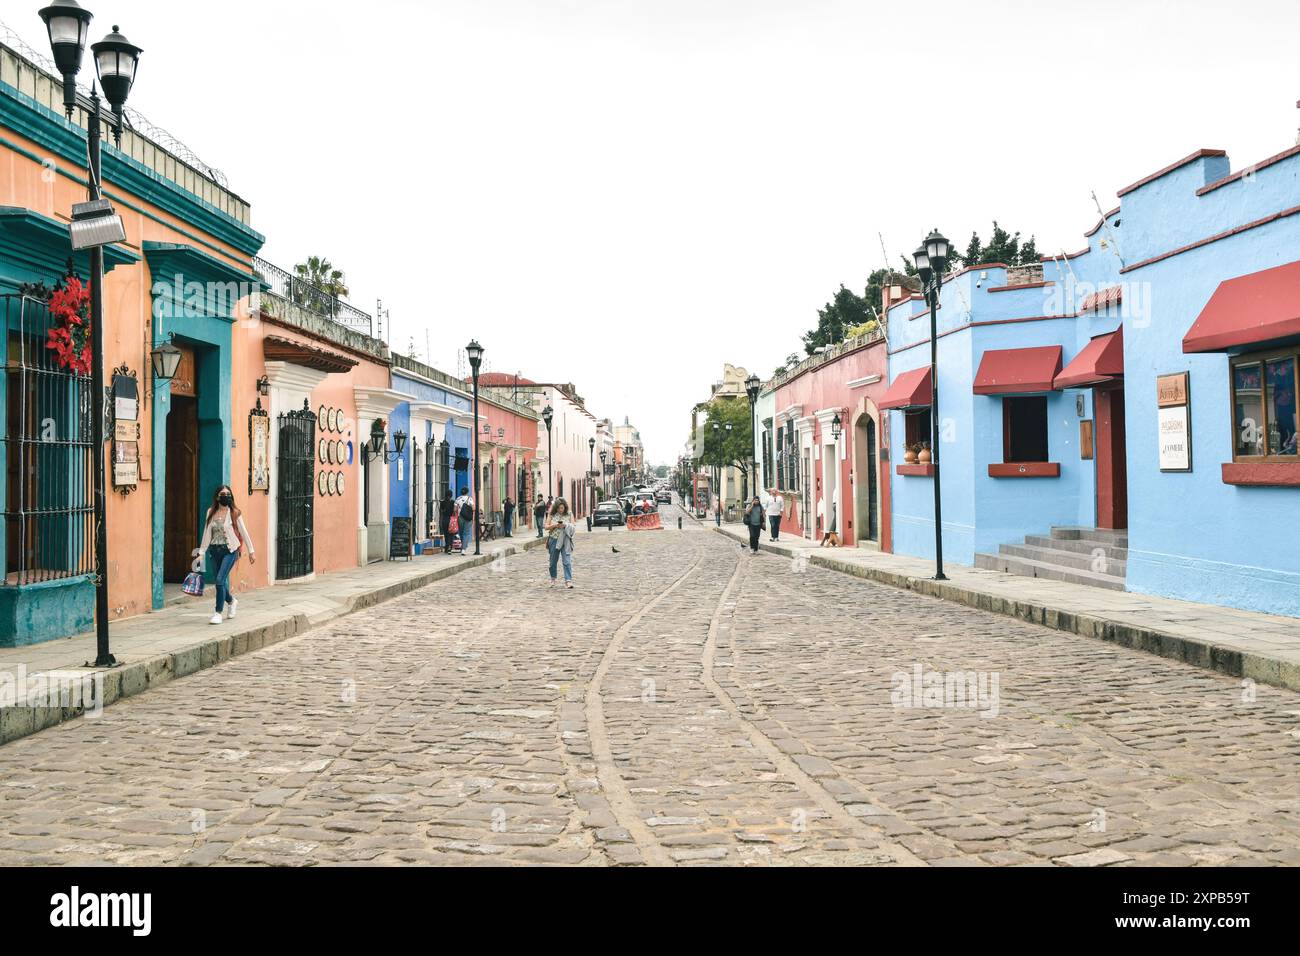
135 120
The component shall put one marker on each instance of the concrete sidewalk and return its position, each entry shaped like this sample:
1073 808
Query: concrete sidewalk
1262 647
178 640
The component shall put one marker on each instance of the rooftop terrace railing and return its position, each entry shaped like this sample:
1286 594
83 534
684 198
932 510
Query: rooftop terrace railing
298 292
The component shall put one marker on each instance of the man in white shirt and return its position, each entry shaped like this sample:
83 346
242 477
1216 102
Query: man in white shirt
774 506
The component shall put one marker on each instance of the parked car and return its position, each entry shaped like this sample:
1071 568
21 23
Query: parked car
608 513
663 494
648 497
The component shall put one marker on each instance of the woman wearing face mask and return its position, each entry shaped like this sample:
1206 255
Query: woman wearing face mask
224 538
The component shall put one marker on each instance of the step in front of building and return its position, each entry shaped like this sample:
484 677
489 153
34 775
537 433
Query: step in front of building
1096 557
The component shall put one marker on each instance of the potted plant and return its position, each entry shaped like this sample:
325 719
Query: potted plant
923 453
911 452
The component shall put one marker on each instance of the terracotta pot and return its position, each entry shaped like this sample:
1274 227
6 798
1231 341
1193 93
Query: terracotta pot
909 456
924 456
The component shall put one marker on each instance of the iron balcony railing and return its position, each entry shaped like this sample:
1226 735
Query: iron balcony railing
45 487
298 292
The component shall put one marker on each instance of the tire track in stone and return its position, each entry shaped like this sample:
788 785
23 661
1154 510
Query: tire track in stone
825 801
616 791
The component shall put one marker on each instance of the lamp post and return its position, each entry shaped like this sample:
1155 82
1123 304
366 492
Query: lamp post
931 263
475 353
604 484
752 386
94 225
591 472
548 414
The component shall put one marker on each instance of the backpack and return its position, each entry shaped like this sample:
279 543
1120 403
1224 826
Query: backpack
467 511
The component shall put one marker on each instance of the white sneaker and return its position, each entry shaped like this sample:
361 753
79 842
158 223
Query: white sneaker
215 619
231 608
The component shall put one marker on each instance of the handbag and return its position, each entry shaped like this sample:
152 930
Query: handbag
193 584
453 524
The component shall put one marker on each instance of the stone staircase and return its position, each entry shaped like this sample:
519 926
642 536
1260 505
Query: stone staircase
1093 556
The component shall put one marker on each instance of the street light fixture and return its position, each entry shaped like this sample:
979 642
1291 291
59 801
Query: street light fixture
753 385
375 447
931 264
67 23
475 353
604 484
837 427
548 414
94 225
591 472
166 358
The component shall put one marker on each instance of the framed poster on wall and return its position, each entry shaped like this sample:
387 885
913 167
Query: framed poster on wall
1174 422
259 450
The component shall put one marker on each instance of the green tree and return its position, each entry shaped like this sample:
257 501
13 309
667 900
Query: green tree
1029 252
846 310
731 443
318 275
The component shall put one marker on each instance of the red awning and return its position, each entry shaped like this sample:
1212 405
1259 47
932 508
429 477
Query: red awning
1015 371
1249 310
909 390
1101 360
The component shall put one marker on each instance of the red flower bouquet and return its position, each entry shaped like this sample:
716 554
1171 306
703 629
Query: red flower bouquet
69 340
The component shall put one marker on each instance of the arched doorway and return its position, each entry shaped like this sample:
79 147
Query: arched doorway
866 486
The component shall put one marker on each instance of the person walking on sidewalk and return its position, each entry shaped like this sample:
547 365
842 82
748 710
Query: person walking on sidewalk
539 514
754 522
774 506
465 514
224 538
717 512
446 508
508 516
561 531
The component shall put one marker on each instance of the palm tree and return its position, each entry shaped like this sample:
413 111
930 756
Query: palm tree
319 275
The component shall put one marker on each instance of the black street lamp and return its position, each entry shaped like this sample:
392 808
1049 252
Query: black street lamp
604 483
753 385
548 414
837 428
94 226
475 353
931 264
591 472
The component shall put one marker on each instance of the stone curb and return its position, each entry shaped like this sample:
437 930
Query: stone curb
1189 650
133 678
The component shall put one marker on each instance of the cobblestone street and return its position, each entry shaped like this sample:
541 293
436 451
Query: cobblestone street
687 703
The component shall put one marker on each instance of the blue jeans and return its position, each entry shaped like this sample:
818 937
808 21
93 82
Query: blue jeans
223 561
557 553
507 522
539 520
466 534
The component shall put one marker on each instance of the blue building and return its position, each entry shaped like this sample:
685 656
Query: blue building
435 464
1125 415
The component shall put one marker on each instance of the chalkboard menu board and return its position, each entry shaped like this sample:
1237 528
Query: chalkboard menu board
400 544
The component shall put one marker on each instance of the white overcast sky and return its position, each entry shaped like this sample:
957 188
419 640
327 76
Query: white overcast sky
628 193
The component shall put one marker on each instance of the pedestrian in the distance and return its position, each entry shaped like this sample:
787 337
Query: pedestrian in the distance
561 530
224 539
465 514
717 512
754 522
539 514
508 516
446 508
774 506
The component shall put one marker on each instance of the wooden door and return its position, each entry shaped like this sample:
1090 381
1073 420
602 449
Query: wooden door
1112 463
181 522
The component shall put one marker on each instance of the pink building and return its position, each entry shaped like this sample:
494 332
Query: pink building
829 480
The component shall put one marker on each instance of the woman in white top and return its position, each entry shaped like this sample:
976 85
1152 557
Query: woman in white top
224 538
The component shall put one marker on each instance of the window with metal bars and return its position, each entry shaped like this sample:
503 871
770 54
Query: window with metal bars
46 487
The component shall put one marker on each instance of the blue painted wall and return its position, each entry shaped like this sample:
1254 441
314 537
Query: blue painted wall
1192 536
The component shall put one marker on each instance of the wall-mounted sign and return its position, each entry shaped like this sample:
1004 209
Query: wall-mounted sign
1174 424
259 450
126 430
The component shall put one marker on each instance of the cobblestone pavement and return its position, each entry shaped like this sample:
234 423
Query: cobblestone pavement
686 704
